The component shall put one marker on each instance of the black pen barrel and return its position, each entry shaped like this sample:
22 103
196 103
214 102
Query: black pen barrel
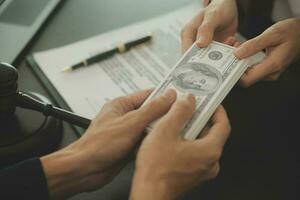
138 42
102 56
109 53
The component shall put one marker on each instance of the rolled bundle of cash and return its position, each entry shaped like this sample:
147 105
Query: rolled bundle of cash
209 73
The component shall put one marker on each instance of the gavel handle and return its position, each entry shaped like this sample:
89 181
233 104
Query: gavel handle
26 101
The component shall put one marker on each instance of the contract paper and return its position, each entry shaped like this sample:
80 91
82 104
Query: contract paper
87 89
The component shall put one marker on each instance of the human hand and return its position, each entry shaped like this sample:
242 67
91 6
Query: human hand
168 165
281 42
102 151
218 21
232 41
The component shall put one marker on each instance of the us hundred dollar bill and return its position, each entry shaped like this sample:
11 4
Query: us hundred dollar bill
209 73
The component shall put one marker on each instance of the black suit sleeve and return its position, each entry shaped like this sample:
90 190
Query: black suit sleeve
254 16
25 180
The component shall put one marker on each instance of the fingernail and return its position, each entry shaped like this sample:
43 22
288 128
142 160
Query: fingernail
200 41
169 93
188 96
239 52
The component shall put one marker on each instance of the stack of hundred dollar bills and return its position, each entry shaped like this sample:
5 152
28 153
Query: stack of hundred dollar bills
209 73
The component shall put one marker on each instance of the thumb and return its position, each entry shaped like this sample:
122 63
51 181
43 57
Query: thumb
206 30
255 45
178 116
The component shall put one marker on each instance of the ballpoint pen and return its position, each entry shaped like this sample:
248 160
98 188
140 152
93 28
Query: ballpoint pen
120 48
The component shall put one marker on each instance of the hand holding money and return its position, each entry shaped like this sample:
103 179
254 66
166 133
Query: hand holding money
282 48
208 73
167 165
105 147
218 21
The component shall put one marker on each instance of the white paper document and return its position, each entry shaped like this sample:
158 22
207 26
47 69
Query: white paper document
87 89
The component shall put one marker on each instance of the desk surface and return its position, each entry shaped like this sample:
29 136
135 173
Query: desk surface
245 174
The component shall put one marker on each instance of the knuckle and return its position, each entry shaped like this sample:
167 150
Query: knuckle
204 26
187 30
215 156
274 77
204 29
161 126
151 106
109 104
229 127
278 32
212 11
214 171
135 119
158 102
131 116
162 100
245 83
256 44
277 29
204 167
276 66
247 48
185 106
116 102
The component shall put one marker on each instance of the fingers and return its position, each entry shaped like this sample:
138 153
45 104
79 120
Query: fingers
259 72
220 130
269 69
256 44
214 170
273 77
201 28
207 28
153 109
138 98
180 113
189 32
188 37
206 2
128 103
232 42
256 73
237 44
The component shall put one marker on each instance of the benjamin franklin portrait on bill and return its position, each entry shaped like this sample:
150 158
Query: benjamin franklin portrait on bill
198 78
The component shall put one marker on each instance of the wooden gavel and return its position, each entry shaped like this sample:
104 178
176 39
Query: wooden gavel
10 98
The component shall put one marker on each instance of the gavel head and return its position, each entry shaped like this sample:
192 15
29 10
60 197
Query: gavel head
8 89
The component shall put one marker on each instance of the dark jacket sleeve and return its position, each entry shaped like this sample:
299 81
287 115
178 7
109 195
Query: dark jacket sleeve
25 180
255 16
